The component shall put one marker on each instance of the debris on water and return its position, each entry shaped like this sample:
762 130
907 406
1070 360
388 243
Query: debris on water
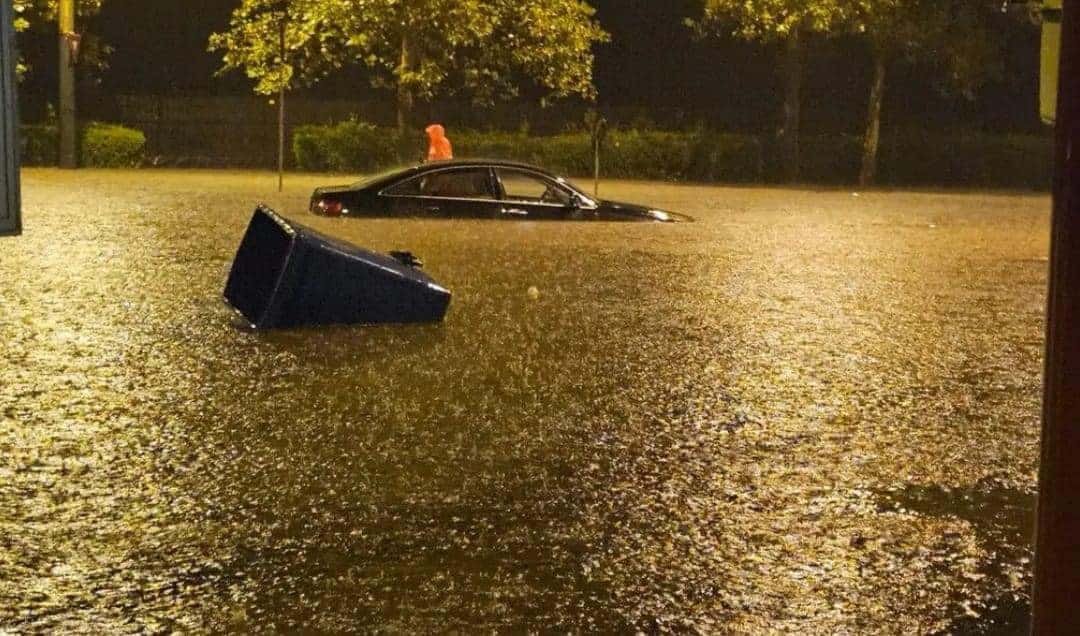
287 275
533 293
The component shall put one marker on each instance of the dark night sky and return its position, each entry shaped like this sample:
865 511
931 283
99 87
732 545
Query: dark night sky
652 63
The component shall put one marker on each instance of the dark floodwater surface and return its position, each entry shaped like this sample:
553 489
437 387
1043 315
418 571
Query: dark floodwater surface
807 411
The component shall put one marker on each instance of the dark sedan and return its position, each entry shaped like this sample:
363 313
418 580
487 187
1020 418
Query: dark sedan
476 189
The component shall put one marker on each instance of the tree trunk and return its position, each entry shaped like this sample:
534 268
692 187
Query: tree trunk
789 131
872 139
404 94
68 135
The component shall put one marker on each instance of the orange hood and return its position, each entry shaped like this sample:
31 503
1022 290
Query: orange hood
435 132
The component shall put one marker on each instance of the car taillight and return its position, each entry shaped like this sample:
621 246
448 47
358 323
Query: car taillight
330 208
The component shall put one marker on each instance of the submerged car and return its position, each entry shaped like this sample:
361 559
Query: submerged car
476 189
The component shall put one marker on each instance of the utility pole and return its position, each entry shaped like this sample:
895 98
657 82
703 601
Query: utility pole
68 41
10 213
1057 541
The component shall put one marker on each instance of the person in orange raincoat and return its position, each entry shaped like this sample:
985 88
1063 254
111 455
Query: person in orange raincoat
439 148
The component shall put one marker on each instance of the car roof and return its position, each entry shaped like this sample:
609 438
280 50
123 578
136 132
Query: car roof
470 163
454 163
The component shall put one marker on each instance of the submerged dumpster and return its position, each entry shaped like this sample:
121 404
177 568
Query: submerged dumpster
288 275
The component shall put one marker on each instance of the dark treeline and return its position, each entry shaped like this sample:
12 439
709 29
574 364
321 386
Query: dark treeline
653 71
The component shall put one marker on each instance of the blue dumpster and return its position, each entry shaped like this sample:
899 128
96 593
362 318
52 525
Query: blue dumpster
288 275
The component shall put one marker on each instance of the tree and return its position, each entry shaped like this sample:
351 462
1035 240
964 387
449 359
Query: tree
961 38
21 24
422 48
267 39
252 44
783 22
33 13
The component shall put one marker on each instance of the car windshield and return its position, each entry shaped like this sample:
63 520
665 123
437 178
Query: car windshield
566 183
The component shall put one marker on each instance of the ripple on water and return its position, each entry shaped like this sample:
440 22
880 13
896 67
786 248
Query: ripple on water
805 411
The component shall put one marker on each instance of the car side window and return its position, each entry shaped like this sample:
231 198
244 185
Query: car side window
468 183
407 188
526 187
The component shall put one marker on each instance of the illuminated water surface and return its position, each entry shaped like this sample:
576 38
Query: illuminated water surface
808 410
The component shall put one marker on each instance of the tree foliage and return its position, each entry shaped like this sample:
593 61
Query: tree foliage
420 47
769 20
785 22
34 13
960 40
28 12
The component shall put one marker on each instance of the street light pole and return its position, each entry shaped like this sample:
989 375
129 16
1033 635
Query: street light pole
66 15
10 214
1057 542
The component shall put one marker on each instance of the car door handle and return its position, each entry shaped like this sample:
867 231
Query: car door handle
434 209
514 212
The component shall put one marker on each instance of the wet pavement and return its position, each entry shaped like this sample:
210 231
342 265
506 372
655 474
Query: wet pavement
808 411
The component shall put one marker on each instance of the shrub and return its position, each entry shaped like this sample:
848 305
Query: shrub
631 154
726 157
831 159
308 143
39 145
568 153
350 146
112 146
908 158
968 159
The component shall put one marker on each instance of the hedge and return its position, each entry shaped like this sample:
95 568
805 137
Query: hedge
907 158
359 147
39 145
101 146
111 146
969 159
346 147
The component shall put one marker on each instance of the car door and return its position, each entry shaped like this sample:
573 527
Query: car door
464 192
526 194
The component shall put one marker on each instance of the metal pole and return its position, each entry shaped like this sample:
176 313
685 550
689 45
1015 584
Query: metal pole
66 12
10 213
281 116
596 165
1057 542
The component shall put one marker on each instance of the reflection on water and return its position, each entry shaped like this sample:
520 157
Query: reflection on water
805 411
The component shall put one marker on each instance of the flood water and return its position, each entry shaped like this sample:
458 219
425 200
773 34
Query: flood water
807 411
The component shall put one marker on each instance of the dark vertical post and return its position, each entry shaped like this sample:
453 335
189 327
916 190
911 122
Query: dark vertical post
66 17
10 212
596 166
281 115
793 78
1057 552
